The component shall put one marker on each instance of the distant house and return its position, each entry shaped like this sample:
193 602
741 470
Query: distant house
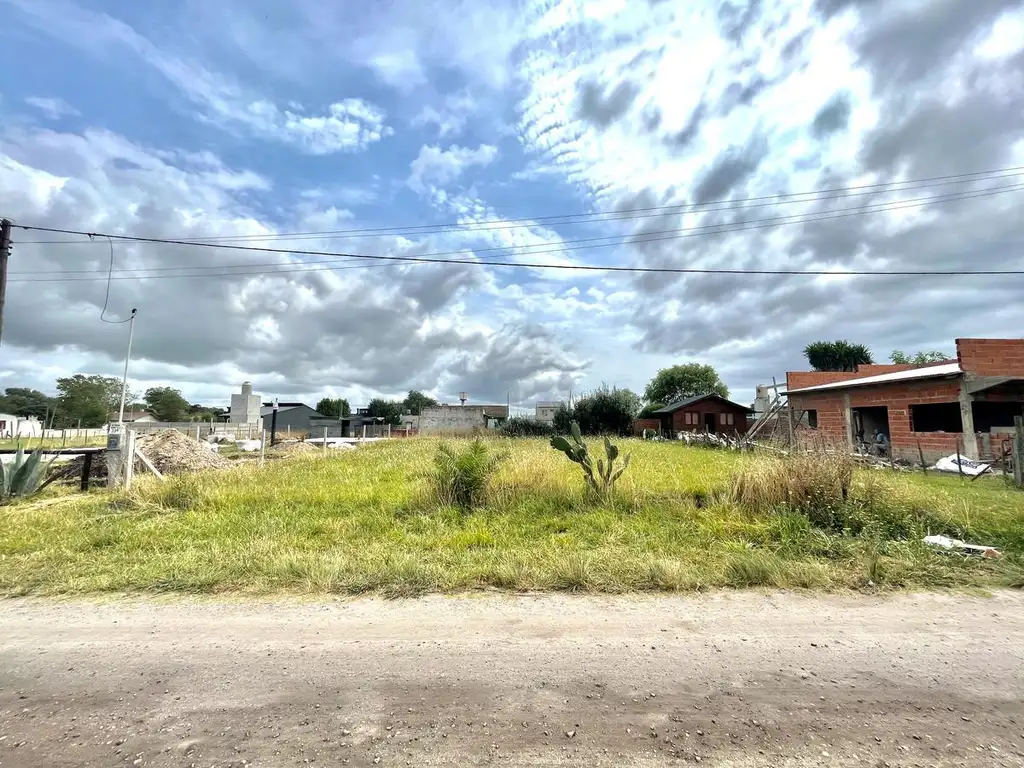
545 411
461 418
19 426
358 424
132 417
291 417
703 413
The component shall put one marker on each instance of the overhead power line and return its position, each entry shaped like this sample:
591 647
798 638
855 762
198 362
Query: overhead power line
486 225
274 268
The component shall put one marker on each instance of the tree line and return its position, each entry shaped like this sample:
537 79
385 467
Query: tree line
92 401
391 411
844 356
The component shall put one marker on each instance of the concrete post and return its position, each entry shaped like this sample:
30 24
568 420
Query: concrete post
967 423
848 418
120 456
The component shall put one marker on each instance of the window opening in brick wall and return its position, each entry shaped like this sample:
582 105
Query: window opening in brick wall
989 415
811 417
936 417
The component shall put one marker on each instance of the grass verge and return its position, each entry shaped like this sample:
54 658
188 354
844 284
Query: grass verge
363 521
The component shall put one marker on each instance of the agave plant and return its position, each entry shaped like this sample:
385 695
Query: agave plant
603 479
22 476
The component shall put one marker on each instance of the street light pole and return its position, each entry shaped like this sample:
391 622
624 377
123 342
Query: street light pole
127 357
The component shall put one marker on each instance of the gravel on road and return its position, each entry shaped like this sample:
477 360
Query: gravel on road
737 679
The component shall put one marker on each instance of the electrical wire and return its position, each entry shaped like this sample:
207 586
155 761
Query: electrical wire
106 296
486 225
347 258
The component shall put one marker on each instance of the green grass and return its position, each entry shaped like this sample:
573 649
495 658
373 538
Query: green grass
363 521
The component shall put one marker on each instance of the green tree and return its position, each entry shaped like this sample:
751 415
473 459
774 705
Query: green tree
416 401
22 401
680 382
562 421
166 404
918 358
606 411
333 407
389 410
837 355
87 399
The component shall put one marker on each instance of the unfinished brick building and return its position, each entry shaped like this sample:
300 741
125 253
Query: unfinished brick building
967 404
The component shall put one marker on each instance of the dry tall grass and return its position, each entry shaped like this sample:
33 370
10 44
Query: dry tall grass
364 520
806 482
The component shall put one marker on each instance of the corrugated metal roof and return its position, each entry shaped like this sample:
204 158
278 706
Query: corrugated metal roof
927 372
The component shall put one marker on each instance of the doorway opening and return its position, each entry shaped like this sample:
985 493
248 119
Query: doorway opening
710 422
868 423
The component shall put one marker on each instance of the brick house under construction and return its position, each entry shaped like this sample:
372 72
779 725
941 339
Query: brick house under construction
967 404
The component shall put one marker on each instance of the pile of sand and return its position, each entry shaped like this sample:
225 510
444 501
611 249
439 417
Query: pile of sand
170 451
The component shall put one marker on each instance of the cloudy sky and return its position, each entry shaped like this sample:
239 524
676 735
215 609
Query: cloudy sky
373 128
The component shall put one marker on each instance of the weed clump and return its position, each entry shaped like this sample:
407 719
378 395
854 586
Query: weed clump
815 485
461 479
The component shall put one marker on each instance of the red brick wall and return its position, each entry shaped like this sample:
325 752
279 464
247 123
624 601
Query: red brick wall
739 425
898 398
991 357
649 424
831 421
801 379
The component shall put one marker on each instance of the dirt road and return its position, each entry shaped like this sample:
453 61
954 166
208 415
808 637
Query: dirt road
732 680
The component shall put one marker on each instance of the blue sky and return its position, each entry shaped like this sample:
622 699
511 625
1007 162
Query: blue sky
256 119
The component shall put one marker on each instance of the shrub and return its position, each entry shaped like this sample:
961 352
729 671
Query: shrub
23 476
604 479
606 411
460 479
519 426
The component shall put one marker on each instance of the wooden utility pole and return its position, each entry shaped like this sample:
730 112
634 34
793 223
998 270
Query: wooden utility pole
5 255
1018 450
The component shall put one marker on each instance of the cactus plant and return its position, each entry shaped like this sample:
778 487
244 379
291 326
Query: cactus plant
22 476
601 478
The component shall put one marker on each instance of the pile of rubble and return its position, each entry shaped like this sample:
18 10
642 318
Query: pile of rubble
294 448
711 440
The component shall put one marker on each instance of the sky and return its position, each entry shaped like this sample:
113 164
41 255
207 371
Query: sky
480 131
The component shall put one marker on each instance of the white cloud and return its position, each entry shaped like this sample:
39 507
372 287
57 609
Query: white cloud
346 125
450 116
435 167
52 108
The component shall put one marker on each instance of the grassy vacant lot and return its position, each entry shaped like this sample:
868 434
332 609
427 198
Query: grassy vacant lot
360 521
53 442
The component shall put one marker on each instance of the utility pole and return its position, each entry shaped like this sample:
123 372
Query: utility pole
5 255
127 357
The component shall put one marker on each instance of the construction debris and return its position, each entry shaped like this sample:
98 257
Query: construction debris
294 448
959 465
944 542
